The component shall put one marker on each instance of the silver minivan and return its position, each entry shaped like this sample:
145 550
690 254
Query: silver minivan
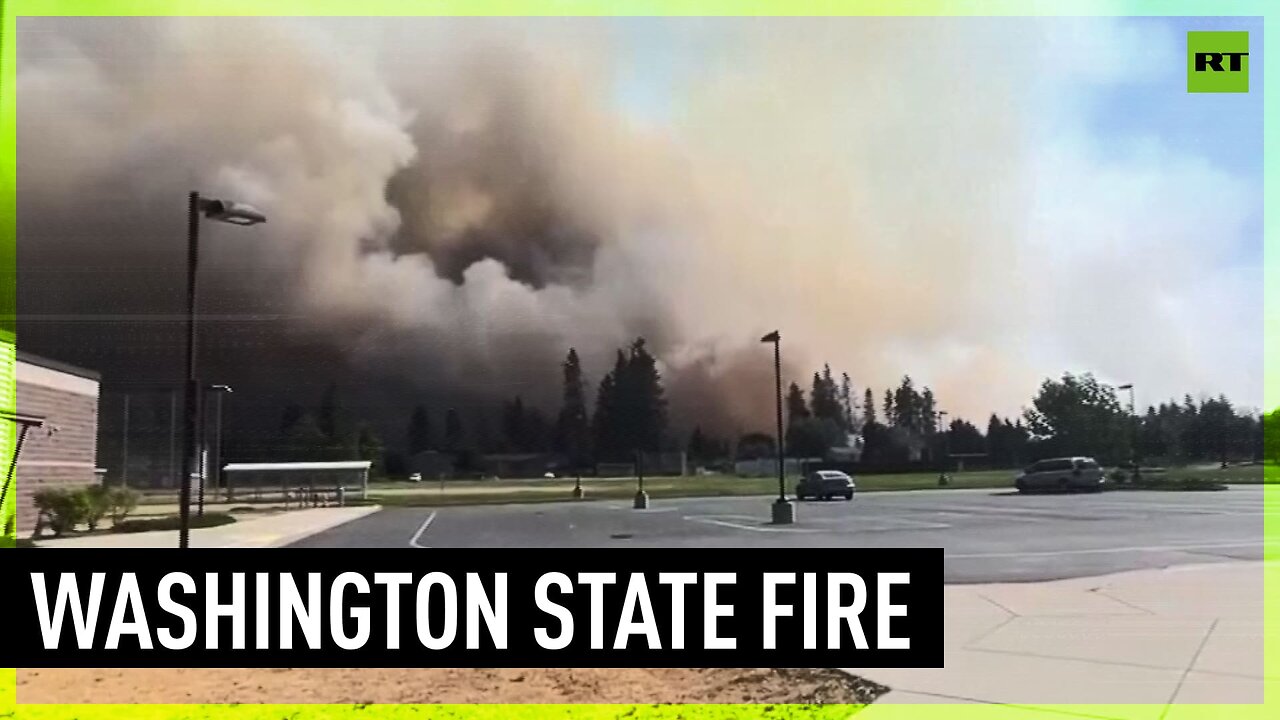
1062 474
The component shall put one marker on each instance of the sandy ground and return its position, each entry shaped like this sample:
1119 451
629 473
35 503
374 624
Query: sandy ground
445 685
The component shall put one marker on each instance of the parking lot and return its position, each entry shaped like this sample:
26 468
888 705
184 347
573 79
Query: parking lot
989 535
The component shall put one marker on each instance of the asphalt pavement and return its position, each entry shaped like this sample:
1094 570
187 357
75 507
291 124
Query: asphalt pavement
988 535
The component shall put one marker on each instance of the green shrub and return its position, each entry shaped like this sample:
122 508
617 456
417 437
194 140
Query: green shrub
123 501
97 502
1191 484
61 509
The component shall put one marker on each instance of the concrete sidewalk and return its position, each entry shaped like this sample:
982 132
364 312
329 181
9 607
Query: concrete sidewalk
273 530
1149 641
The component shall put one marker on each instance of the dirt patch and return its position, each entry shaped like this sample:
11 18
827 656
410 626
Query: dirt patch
444 685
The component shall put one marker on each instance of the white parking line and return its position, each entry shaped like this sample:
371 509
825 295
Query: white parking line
413 541
872 523
646 511
719 520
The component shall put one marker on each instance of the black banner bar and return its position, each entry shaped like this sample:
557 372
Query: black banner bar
475 608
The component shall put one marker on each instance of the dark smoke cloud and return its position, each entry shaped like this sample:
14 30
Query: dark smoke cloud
423 248
483 185
456 202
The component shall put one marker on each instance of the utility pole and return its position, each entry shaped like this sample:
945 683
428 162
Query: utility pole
784 513
124 446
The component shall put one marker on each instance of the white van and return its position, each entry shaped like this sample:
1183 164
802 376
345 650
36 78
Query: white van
1063 475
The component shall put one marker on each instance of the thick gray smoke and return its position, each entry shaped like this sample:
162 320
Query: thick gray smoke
453 238
454 203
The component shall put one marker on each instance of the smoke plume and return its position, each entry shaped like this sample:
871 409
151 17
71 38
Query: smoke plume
454 203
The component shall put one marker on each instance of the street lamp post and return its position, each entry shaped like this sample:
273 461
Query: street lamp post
1133 432
784 512
946 441
222 211
124 446
216 463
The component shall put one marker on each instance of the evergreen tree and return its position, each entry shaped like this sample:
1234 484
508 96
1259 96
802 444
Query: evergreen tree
453 441
928 413
796 407
514 433
868 408
964 437
572 426
369 447
610 444
327 418
907 407
890 414
645 399
996 449
418 433
824 398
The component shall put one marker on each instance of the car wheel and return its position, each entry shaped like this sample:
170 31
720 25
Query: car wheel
848 496
1021 486
1064 485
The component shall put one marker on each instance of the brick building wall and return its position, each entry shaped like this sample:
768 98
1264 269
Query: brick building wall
63 453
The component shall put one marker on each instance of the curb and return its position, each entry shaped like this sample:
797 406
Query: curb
315 530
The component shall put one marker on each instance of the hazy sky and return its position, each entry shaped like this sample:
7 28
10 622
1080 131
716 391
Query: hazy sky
980 203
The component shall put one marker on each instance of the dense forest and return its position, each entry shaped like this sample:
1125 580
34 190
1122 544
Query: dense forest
901 426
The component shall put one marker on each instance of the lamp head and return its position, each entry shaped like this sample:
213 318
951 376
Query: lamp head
231 212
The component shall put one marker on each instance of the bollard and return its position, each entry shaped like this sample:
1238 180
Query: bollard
784 512
342 496
642 500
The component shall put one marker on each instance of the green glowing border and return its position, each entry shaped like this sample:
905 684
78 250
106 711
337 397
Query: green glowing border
13 8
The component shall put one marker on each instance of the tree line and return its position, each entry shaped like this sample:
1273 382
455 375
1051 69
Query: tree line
629 416
899 428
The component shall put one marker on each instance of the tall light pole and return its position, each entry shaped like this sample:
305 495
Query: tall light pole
222 211
220 390
784 513
124 446
946 438
1133 431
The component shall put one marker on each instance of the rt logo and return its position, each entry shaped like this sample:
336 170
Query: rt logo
1217 62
